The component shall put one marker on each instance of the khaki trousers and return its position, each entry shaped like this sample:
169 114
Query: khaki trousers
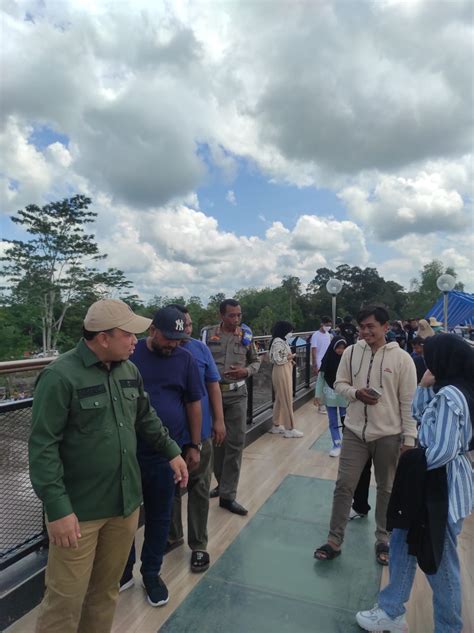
82 584
282 380
352 460
198 503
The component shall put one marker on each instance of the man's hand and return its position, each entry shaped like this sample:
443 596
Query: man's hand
428 379
180 470
364 396
315 370
192 458
236 373
64 532
404 448
218 432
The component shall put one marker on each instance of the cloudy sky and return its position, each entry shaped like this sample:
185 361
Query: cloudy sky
227 144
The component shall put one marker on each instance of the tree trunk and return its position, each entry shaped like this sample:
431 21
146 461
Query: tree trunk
58 324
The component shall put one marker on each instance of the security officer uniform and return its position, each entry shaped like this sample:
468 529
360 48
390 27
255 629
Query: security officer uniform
228 349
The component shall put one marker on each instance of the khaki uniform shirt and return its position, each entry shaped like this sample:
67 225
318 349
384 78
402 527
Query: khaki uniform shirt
82 447
227 349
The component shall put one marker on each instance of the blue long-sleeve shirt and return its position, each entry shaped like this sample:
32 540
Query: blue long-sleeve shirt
445 432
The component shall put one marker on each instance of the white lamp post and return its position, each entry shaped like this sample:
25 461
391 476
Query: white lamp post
445 283
334 287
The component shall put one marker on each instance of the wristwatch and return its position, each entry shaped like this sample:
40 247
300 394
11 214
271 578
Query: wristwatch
198 447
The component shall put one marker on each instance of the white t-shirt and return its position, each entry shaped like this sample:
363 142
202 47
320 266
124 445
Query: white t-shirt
320 340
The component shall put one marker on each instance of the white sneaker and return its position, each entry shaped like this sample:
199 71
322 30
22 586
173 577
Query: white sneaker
293 433
377 620
322 409
335 451
277 430
355 515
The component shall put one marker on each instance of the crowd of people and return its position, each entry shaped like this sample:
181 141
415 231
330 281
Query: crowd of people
117 422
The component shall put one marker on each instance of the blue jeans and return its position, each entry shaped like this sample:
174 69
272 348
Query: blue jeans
334 423
446 583
158 491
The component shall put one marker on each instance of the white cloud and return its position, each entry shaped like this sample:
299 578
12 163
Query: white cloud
230 197
181 248
398 205
415 251
371 100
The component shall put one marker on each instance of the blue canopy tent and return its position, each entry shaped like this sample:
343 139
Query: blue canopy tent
460 309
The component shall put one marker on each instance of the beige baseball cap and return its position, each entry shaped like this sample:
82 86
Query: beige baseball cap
109 313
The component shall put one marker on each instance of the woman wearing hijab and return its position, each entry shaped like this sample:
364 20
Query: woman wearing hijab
444 407
281 358
324 392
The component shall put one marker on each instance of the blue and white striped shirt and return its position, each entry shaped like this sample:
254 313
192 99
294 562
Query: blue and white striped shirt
445 431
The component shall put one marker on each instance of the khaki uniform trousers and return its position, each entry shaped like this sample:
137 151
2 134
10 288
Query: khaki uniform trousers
198 503
228 457
282 380
354 455
82 584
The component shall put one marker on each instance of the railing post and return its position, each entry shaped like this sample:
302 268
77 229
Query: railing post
250 400
308 366
293 372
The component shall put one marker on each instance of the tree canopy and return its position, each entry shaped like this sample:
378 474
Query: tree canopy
54 269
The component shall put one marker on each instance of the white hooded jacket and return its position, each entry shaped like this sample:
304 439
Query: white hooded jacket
391 371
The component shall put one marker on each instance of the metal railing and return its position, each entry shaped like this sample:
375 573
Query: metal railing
21 517
22 527
259 386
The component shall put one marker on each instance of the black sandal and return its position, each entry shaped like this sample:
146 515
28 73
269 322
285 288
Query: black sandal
199 561
382 551
326 552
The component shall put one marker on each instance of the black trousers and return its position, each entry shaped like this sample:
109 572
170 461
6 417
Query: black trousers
360 503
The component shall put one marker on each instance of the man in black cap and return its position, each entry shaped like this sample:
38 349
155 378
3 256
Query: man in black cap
87 406
171 378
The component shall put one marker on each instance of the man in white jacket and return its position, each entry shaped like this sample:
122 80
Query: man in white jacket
378 379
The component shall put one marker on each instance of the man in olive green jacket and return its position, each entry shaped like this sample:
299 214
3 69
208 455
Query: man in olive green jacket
87 407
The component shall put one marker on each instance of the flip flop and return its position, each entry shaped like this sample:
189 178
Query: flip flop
199 561
326 552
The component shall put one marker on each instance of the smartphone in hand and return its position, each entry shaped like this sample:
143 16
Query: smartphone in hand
375 393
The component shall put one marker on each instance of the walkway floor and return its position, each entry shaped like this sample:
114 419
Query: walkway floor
264 578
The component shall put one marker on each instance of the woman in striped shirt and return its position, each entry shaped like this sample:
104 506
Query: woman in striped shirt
444 407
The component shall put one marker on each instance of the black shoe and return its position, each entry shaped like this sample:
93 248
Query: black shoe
127 580
214 493
233 506
156 591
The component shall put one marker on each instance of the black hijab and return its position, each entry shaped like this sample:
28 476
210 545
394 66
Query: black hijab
451 361
280 329
331 360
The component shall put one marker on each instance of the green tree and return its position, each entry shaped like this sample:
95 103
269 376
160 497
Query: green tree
360 287
264 322
424 292
16 340
54 269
